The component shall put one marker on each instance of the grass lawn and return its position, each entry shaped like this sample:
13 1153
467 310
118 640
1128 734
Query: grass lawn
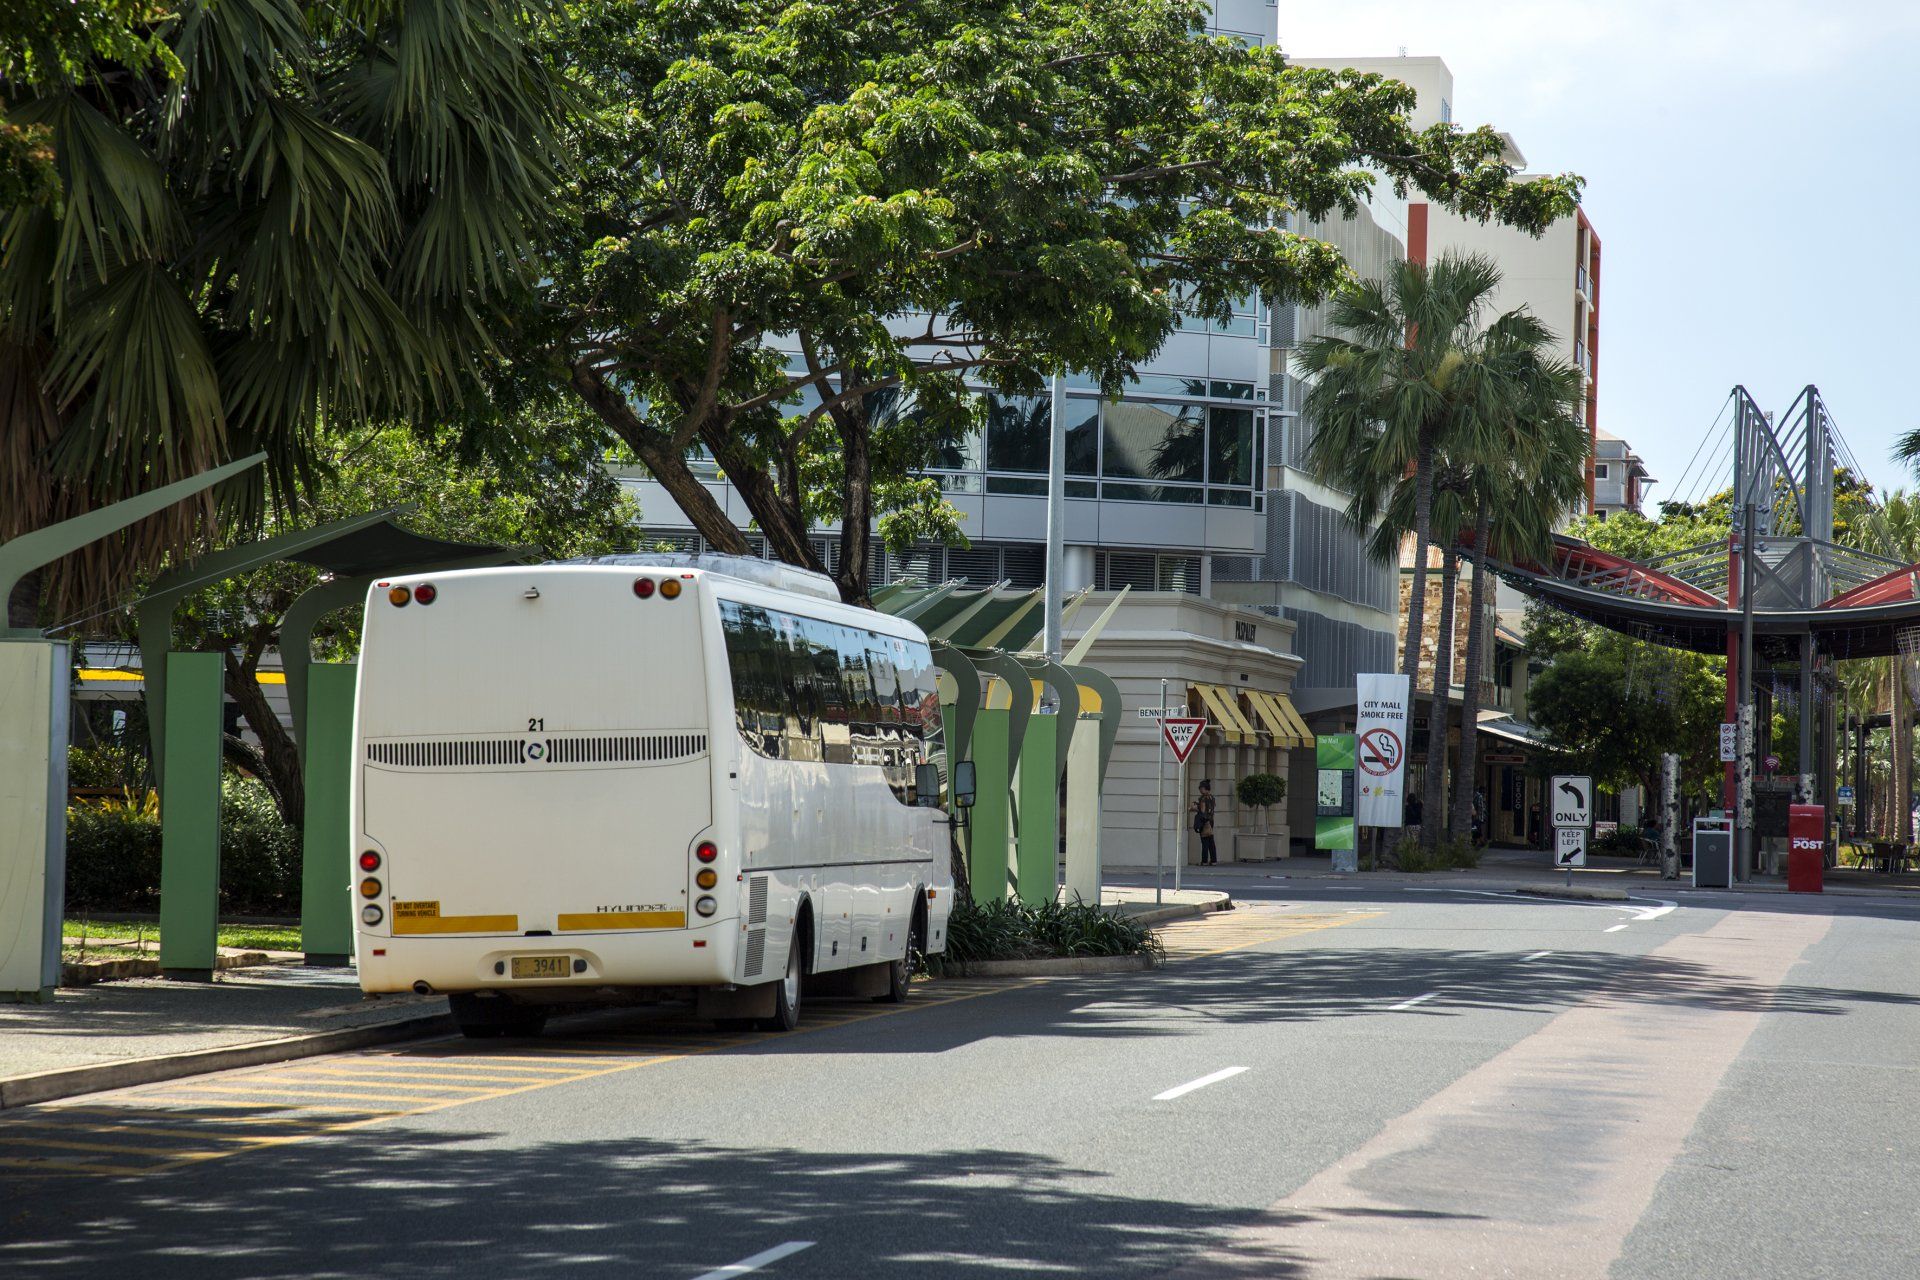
118 938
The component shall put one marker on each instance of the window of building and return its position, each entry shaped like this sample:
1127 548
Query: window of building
1600 471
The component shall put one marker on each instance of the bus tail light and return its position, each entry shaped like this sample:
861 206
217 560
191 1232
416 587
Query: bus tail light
706 906
706 879
669 589
371 914
707 851
399 596
425 593
369 888
369 861
643 587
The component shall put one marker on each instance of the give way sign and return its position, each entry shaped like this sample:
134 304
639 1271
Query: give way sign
1182 734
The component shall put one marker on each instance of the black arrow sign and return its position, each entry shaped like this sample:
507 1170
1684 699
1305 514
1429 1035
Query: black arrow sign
1566 858
1574 791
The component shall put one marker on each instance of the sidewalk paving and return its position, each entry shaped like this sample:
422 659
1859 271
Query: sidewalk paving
145 1018
1507 868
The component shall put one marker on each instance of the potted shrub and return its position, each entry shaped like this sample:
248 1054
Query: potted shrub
1260 791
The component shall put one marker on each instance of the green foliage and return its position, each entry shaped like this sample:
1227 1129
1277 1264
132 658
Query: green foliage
1258 790
319 217
97 767
1057 183
113 855
1449 853
1006 929
1624 841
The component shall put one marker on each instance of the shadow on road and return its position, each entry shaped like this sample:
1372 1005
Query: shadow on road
390 1202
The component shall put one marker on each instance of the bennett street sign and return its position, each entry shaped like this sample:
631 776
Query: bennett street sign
1570 796
1182 734
1570 847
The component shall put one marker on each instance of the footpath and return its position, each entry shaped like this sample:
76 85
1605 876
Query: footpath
113 1035
1520 870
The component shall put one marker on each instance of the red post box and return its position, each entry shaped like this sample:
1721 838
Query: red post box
1806 847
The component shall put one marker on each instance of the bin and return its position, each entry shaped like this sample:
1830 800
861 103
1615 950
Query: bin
1806 847
1712 853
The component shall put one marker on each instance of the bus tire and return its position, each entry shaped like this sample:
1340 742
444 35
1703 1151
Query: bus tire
900 972
486 1019
786 992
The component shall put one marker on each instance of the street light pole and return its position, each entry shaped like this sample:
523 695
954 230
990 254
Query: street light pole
1056 518
1744 844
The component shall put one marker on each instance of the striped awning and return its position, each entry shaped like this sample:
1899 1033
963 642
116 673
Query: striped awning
1282 721
1226 715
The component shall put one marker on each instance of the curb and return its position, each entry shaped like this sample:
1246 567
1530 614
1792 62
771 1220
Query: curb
85 973
1591 893
1056 966
46 1086
1178 911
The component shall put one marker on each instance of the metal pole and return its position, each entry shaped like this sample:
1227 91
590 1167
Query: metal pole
1743 800
1180 841
1056 517
1160 803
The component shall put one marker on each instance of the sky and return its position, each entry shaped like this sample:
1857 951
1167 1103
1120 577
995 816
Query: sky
1753 173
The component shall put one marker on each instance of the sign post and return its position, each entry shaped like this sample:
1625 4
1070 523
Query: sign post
1570 800
1380 749
1181 734
1160 805
1729 742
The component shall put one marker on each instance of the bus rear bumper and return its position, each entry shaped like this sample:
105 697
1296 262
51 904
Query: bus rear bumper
697 957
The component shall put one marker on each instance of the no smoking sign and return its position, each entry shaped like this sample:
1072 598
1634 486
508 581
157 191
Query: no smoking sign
1379 752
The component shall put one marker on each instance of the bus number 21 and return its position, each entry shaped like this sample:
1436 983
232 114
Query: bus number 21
536 724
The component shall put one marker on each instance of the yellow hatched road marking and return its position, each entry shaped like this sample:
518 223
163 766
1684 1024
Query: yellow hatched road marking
1195 939
559 1063
375 1078
62 1166
111 1148
158 1130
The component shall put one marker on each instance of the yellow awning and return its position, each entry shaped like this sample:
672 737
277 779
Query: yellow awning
1282 721
1225 714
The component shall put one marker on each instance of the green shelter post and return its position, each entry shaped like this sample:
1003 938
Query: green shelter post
989 822
190 817
326 893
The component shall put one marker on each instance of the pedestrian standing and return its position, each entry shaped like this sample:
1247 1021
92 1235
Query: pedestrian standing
1203 823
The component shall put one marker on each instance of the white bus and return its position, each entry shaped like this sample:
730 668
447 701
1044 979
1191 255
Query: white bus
640 776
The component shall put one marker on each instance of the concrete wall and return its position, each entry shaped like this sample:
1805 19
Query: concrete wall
1187 640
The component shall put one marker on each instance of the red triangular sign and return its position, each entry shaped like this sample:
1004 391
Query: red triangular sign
1182 734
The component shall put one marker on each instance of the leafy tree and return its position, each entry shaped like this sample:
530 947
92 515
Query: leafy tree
318 218
782 210
555 500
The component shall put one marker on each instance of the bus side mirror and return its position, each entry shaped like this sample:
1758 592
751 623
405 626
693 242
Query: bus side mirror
963 784
926 785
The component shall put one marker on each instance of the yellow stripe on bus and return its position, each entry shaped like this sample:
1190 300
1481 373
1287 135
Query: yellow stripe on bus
588 920
455 924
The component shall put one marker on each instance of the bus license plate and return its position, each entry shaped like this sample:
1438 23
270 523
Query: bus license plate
542 966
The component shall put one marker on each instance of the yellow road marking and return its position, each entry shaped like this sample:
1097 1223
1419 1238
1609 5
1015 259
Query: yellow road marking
300 1090
376 1079
61 1166
111 1148
161 1131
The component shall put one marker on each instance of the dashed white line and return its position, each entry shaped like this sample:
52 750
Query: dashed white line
1191 1085
1538 955
1408 1004
757 1261
1615 929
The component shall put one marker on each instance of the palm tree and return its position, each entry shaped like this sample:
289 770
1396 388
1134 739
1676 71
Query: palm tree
1394 381
301 215
1517 497
1894 530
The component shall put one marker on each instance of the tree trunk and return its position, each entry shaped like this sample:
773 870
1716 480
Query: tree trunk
780 516
668 465
1434 790
23 605
1460 820
279 758
856 517
1900 745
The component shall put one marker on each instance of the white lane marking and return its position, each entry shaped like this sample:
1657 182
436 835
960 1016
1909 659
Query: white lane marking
1537 955
757 1261
1615 929
1191 1085
1654 913
1408 1004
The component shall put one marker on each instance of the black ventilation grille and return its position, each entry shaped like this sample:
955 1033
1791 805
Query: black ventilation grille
756 957
631 748
757 900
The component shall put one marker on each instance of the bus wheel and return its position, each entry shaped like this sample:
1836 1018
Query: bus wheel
900 972
786 993
485 1019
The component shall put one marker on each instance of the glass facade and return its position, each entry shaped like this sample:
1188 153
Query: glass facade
1190 441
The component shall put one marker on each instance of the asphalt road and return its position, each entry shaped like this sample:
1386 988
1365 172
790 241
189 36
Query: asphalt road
1331 1082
